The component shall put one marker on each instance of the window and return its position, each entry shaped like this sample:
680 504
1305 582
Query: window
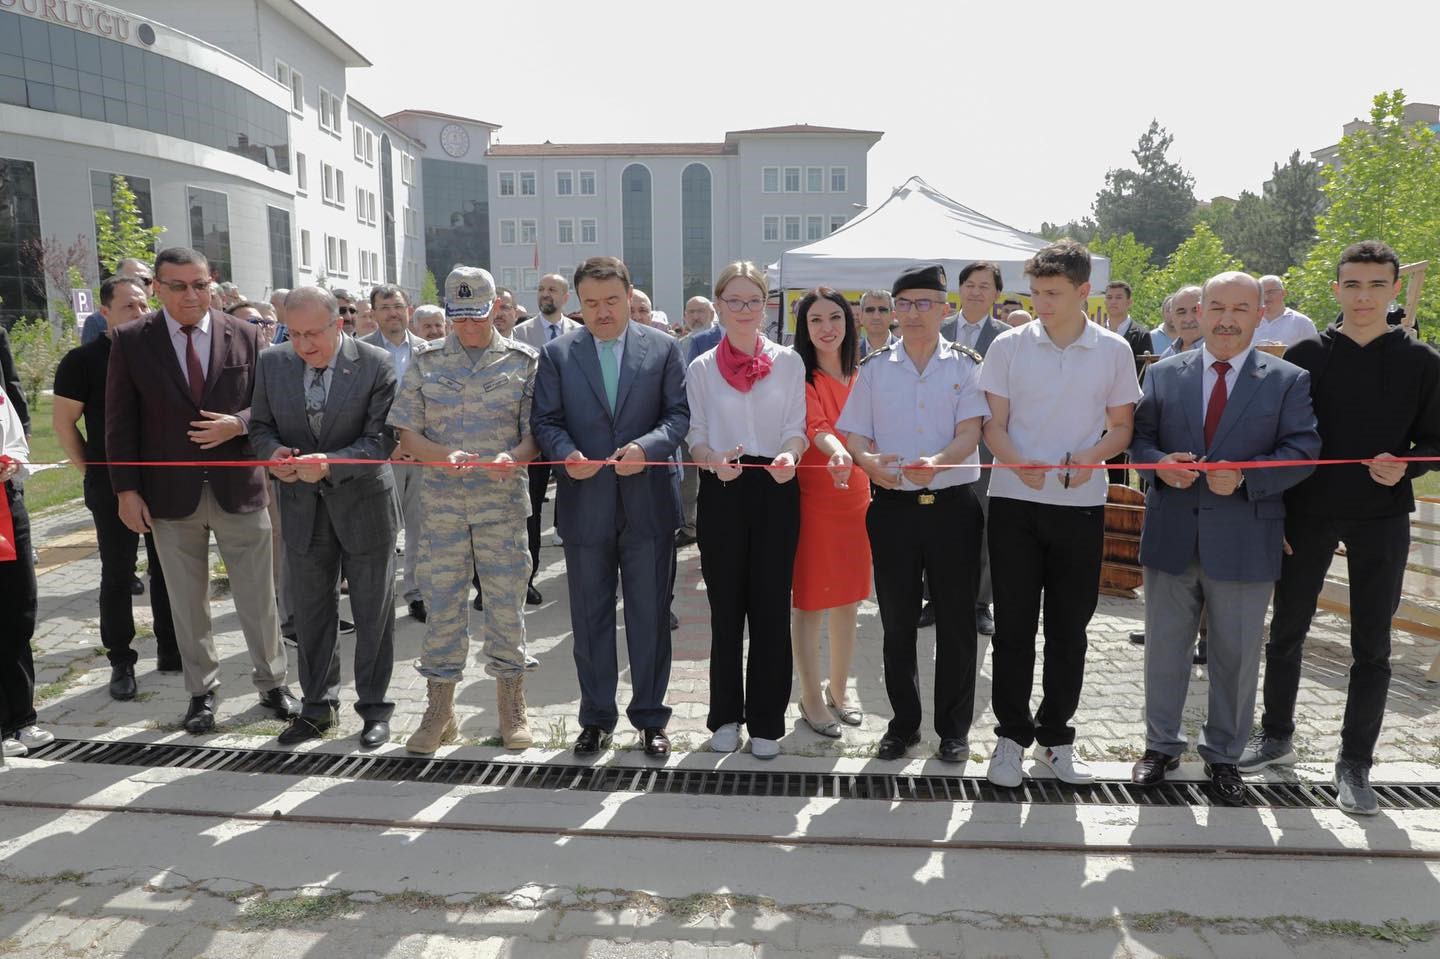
527 183
792 229
772 229
507 233
360 204
792 179
565 231
102 199
332 254
357 134
369 148
839 179
364 267
589 231
282 74
410 221
302 175
814 179
587 182
282 267
327 115
636 226
529 232
836 222
770 179
210 228
327 183
407 168
530 279
505 184
507 277
814 227
305 250
297 93
564 183
340 189
22 278
695 248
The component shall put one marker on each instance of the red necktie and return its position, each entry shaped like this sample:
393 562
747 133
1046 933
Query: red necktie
196 373
1216 408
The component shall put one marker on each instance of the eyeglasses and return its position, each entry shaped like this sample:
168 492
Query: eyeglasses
144 280
350 310
199 286
924 306
470 319
744 306
876 309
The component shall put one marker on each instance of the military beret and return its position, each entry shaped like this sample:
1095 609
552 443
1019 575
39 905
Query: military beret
921 276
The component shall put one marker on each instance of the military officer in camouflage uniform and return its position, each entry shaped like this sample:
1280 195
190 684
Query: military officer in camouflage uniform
466 400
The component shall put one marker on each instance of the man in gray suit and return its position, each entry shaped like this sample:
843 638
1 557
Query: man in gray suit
1213 538
615 391
323 395
391 310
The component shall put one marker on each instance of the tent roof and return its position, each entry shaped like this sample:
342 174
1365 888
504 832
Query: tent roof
917 222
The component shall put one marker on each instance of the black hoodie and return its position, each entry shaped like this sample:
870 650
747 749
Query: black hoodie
1383 397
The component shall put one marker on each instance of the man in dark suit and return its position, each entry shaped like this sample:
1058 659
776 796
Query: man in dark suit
179 389
1118 296
323 396
1214 538
627 408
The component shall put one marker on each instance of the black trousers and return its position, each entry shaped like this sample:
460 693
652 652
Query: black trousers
940 540
117 568
539 480
748 529
1040 551
18 601
1376 551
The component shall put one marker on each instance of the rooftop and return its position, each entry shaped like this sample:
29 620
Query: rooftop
316 28
441 116
728 146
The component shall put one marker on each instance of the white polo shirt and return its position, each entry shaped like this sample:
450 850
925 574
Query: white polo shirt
1057 400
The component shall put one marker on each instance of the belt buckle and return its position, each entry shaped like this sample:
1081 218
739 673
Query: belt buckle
926 499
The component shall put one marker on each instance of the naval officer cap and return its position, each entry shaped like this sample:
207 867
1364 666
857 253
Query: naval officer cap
921 276
469 291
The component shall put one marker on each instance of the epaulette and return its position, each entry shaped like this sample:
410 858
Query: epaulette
874 353
524 348
430 346
968 351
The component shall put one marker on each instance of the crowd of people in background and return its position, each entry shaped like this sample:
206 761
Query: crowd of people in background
946 457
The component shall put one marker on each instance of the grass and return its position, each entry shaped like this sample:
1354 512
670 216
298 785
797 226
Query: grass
53 486
274 913
1428 485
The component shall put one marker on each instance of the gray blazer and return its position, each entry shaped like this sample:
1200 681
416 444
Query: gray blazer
359 499
1267 417
377 338
532 331
570 412
989 329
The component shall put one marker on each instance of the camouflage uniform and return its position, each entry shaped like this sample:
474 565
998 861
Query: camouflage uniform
475 517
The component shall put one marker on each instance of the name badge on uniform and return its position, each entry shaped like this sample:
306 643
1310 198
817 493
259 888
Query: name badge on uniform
496 383
452 384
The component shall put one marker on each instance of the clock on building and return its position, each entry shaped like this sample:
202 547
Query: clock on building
454 139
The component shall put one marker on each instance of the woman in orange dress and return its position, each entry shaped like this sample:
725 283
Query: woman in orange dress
832 561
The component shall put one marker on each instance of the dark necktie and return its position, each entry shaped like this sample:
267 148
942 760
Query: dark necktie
1216 407
315 401
553 330
193 371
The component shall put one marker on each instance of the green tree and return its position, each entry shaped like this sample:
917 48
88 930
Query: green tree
1194 261
1154 202
1082 230
429 290
1271 232
37 349
121 235
1130 261
1387 187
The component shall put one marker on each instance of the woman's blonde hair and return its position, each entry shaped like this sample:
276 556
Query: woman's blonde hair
741 270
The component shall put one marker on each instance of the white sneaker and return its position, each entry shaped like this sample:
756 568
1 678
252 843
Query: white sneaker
726 739
764 748
33 737
1006 765
13 748
1062 761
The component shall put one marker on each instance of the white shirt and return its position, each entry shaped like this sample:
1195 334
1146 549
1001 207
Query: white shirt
551 331
12 437
761 421
201 336
912 413
1209 376
1288 328
1058 400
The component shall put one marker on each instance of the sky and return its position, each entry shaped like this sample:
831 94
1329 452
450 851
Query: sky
1017 109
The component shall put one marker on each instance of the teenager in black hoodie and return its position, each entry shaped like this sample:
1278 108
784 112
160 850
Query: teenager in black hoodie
1376 393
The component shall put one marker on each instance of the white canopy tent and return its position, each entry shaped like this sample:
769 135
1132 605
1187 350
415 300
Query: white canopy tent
917 222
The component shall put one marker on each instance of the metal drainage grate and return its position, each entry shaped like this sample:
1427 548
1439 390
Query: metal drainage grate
690 782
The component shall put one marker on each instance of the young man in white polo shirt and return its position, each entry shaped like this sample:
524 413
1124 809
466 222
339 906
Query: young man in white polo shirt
1061 390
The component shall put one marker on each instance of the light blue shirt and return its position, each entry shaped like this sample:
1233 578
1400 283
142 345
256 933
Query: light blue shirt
400 354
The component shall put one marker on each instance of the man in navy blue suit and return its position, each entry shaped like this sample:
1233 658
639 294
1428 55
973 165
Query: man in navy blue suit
615 391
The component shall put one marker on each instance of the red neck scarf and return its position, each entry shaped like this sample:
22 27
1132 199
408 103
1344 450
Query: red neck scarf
741 370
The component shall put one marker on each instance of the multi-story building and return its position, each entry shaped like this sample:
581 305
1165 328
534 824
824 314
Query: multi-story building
1426 113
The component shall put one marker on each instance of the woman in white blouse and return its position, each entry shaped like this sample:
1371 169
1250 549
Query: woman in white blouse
747 431
18 597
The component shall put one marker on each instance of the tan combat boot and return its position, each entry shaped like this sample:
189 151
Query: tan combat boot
514 728
437 726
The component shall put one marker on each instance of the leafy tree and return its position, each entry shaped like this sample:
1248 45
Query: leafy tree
1130 261
1194 261
121 235
1271 232
1153 202
1387 187
37 349
1082 230
429 290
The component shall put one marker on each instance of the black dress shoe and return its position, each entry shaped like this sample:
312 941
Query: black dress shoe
893 747
591 740
1225 784
418 611
1137 639
122 682
532 596
674 622
1151 768
1202 653
137 588
953 750
984 622
302 729
656 742
376 732
200 717
281 702
478 604
926 617
683 538
346 627
290 639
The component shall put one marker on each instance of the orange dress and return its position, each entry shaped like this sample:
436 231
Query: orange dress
832 560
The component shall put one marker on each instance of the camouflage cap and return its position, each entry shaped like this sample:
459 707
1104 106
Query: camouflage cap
469 291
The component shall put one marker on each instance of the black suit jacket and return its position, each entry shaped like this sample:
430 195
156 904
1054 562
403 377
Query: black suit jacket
1139 339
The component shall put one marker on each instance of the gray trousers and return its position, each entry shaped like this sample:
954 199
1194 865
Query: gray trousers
244 541
315 573
689 486
1236 642
407 491
277 562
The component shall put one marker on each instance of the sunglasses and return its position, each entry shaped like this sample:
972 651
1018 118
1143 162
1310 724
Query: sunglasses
350 310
